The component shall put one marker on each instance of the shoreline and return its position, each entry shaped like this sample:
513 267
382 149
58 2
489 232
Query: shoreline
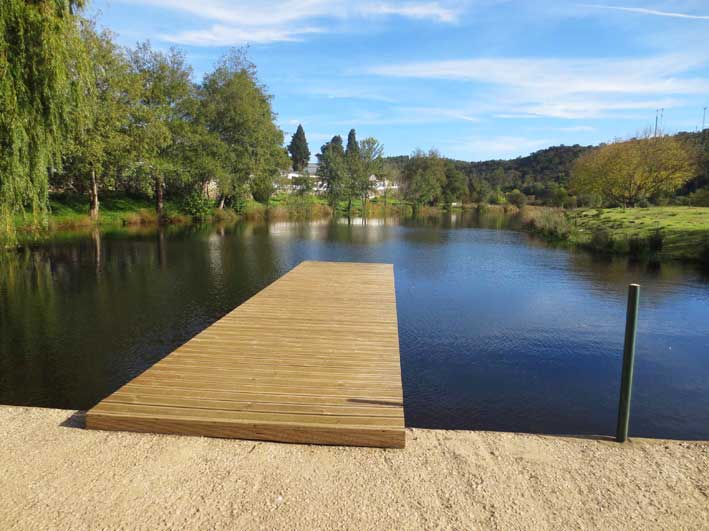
61 476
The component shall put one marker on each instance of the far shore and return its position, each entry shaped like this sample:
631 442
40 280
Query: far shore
58 475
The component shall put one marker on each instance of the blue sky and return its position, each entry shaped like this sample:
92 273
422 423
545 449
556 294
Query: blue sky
476 79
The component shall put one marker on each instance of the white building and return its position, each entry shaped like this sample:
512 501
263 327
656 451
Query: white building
378 186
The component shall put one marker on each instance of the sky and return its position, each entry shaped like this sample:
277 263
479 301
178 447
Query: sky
475 79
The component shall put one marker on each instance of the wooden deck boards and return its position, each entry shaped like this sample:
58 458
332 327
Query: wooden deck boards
312 358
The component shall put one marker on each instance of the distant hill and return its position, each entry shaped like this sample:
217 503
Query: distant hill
545 171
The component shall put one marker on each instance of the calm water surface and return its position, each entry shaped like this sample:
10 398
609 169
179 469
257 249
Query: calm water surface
498 331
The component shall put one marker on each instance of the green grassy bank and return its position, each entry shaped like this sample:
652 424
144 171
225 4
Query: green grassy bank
672 232
69 213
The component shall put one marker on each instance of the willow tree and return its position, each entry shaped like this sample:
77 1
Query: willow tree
42 78
625 173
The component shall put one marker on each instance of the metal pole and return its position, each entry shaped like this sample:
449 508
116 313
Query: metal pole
626 379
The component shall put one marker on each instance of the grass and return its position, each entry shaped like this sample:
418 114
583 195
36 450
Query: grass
671 232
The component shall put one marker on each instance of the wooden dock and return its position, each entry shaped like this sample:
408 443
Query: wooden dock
312 358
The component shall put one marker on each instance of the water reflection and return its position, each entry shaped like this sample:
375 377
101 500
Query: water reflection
497 329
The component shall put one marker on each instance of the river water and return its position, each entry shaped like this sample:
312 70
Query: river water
498 331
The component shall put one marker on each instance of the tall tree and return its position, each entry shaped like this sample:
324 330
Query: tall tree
165 88
102 138
423 177
238 108
372 167
624 173
455 184
355 177
298 149
42 77
333 169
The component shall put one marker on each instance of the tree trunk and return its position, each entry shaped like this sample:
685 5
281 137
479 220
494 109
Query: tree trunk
159 202
221 202
93 197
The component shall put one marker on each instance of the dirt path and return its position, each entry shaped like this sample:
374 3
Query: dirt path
62 477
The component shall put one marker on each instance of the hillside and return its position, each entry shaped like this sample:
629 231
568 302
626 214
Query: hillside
545 174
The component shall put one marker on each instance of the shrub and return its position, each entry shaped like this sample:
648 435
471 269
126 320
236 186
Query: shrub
496 197
197 205
570 202
517 198
699 198
224 215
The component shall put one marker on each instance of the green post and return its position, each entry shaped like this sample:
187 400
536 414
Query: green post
626 379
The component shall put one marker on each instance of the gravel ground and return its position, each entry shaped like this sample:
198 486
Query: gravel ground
56 475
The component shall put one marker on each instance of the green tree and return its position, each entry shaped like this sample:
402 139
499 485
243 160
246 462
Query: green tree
238 108
333 170
356 181
423 177
95 147
517 198
157 118
627 172
298 149
43 76
455 184
372 165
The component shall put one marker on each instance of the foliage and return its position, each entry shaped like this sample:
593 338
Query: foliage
298 149
197 205
303 184
237 108
454 187
333 170
43 76
517 198
423 178
100 143
627 172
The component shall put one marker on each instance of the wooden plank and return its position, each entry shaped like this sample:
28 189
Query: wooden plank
312 358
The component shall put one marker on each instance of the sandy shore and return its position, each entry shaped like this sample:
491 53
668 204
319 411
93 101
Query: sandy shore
59 476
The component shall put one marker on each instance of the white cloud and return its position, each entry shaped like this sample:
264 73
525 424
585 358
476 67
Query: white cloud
426 10
219 35
567 88
403 115
645 11
250 21
484 148
348 93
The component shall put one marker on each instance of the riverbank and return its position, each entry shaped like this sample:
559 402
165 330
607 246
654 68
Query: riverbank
69 214
657 233
58 475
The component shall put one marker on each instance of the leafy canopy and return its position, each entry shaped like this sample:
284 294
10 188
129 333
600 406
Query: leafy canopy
627 172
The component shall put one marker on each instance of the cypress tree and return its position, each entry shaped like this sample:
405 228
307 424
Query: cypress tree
352 146
298 149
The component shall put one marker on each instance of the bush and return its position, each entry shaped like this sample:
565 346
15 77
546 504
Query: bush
570 202
224 215
699 198
197 205
517 198
496 197
551 223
